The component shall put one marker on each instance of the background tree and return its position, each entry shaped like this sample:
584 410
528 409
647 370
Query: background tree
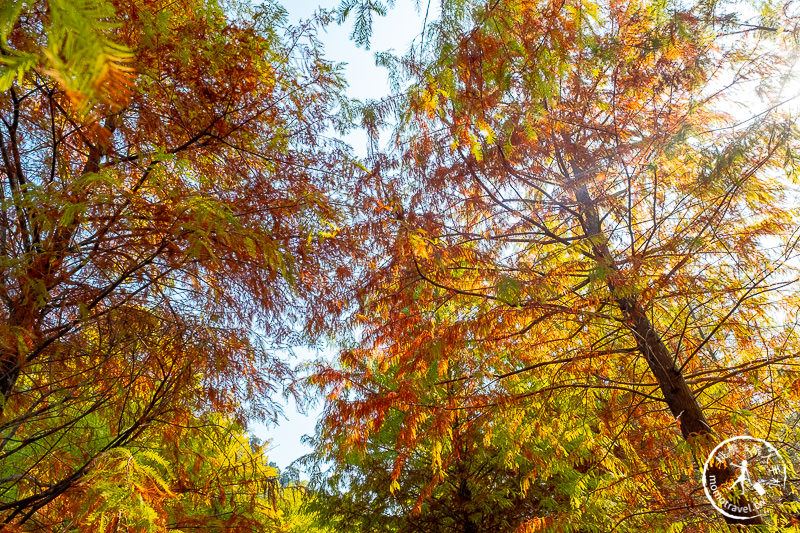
485 471
165 219
572 184
207 475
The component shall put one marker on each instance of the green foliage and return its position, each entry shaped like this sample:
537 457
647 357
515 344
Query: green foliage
117 488
363 13
9 14
296 502
211 477
76 50
80 55
501 473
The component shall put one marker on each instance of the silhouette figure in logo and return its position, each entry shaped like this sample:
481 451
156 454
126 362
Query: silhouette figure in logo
744 475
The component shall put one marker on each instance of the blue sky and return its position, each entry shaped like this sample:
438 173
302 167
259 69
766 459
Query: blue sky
365 80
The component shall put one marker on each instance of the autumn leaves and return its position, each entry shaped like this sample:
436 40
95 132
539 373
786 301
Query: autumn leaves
566 255
569 271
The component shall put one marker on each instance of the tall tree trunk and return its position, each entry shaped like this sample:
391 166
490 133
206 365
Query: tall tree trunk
679 397
464 499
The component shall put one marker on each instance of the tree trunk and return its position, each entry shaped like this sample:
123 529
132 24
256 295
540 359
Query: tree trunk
679 397
9 372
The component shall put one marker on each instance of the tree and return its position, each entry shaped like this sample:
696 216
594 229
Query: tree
294 505
205 475
168 202
498 471
576 214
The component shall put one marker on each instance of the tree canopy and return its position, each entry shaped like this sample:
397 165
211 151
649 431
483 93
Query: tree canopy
570 274
587 258
168 199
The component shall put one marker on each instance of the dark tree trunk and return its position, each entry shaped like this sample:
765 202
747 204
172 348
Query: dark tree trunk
680 399
678 396
465 499
9 372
